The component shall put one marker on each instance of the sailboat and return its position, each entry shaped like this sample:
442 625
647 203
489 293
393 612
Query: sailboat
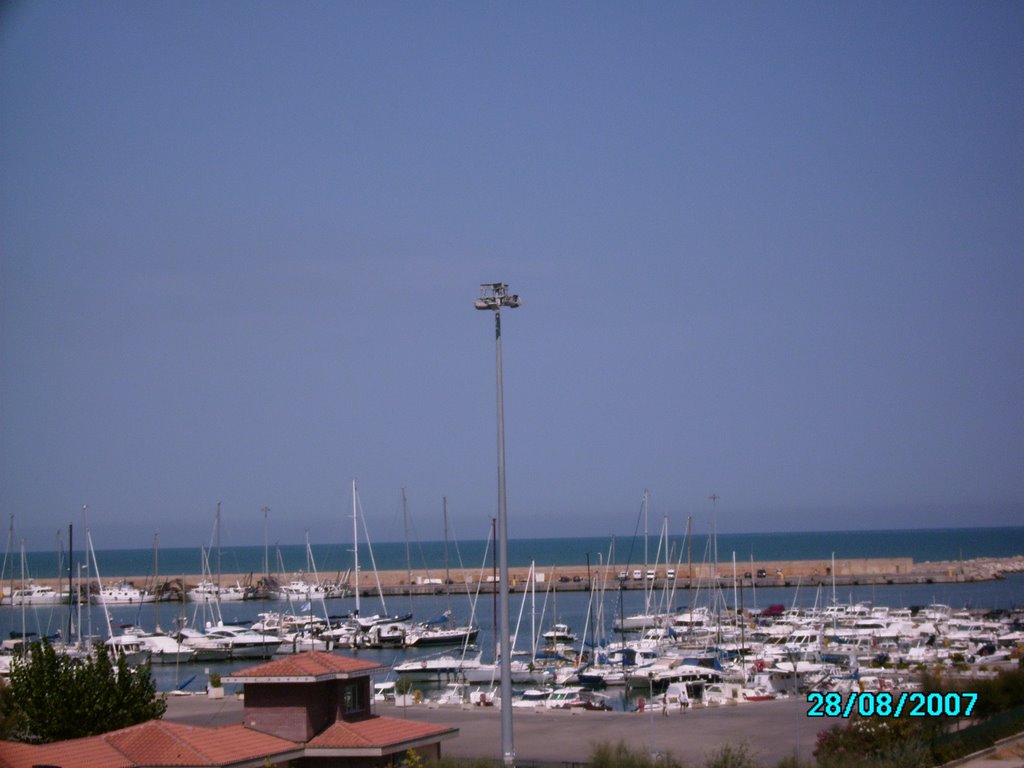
441 630
307 586
122 593
358 629
210 590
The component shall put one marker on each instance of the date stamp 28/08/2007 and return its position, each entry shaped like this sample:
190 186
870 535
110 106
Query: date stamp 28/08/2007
886 704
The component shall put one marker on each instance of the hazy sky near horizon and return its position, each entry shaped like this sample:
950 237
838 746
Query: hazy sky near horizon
771 251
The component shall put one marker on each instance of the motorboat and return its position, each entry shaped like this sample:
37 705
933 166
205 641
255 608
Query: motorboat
421 636
387 634
641 621
559 633
129 647
438 668
206 648
575 697
532 698
162 648
33 594
243 643
302 641
523 673
301 589
210 592
345 635
122 593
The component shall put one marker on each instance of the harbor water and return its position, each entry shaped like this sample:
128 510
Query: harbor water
532 613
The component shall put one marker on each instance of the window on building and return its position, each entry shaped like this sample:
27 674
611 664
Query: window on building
353 698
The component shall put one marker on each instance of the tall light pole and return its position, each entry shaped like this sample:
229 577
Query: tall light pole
494 296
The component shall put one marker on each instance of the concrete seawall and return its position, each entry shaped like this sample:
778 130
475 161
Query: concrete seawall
768 573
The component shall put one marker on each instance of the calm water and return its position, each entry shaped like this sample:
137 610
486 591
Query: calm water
571 607
538 611
921 545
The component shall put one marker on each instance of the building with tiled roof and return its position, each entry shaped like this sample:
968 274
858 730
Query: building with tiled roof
311 709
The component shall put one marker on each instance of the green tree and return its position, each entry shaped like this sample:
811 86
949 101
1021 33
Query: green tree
9 716
56 697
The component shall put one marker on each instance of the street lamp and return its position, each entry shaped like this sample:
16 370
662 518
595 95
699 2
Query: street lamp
494 296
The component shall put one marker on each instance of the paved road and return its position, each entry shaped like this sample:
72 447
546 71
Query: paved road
772 729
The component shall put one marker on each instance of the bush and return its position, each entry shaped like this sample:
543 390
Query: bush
55 697
950 746
731 756
793 762
621 756
874 743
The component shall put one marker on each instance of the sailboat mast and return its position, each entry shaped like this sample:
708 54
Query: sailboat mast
689 564
647 495
833 578
88 573
408 556
355 543
266 542
10 544
217 541
71 586
448 580
156 575
24 602
714 528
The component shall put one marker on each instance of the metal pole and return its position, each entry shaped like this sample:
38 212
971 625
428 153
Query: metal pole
494 296
507 749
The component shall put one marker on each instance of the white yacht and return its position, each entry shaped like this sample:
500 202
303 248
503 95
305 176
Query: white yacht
123 593
33 594
438 668
209 592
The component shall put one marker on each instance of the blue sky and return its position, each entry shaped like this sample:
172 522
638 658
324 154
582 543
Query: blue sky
767 250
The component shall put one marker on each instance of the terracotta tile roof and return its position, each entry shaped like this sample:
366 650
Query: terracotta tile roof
160 743
92 752
155 743
376 732
308 665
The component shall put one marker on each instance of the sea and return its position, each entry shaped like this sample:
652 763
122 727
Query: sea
531 613
923 545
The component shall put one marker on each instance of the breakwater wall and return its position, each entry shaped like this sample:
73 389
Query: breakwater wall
768 573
